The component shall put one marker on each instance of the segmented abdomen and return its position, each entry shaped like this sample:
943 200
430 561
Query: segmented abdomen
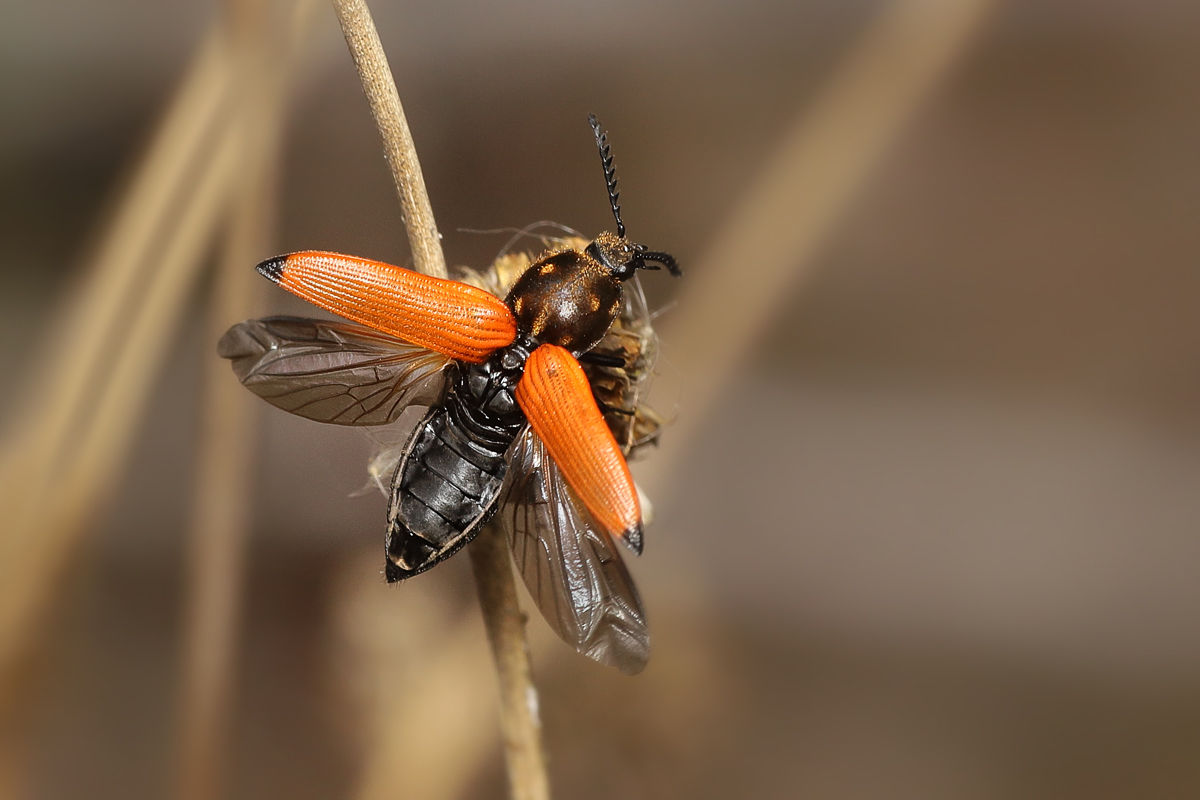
446 488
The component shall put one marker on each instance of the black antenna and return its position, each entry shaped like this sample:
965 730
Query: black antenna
610 174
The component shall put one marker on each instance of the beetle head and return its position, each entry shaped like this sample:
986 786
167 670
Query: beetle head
622 258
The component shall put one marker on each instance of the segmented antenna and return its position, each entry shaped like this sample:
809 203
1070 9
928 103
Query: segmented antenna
610 174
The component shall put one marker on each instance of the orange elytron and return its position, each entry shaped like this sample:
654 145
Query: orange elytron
557 400
512 429
457 320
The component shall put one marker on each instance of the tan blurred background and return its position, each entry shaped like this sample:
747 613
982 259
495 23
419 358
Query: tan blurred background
938 537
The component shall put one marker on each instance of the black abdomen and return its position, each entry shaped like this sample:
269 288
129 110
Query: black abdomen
446 487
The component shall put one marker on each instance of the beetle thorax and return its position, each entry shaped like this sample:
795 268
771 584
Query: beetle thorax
566 298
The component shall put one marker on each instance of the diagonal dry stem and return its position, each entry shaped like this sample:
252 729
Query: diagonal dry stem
766 247
75 432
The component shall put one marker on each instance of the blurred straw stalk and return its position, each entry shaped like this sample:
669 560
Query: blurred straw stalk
264 39
769 241
63 453
415 668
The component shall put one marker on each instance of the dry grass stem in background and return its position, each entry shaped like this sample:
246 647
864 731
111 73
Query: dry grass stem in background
494 575
119 406
415 666
805 186
70 441
261 51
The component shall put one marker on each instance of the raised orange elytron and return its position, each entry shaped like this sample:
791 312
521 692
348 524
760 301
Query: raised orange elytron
512 427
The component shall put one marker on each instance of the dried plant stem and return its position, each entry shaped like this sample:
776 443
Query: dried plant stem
81 420
89 325
398 147
222 501
519 721
497 588
804 188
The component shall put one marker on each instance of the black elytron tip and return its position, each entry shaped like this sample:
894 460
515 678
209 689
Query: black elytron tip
272 268
633 538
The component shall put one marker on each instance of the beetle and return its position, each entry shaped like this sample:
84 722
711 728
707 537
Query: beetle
512 428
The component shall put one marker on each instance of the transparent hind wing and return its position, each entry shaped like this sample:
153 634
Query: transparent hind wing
334 372
569 563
